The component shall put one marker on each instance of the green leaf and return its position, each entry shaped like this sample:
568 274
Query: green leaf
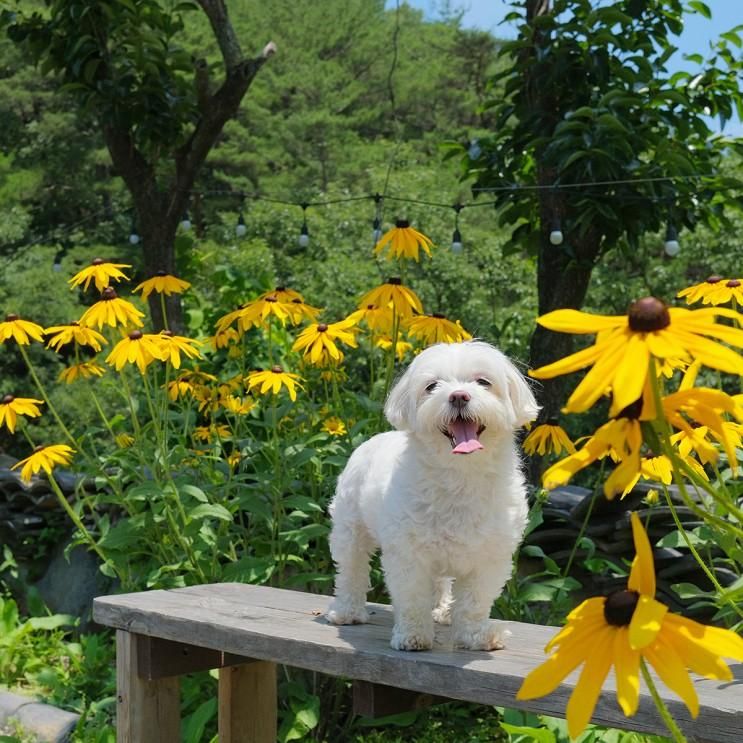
53 622
210 510
250 570
700 7
195 723
539 735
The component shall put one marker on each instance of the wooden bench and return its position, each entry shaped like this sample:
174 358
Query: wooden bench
246 630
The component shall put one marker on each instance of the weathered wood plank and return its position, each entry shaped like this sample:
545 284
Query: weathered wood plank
159 658
146 711
248 703
287 627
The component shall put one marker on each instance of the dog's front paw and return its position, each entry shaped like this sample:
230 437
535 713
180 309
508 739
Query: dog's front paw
486 636
411 640
340 613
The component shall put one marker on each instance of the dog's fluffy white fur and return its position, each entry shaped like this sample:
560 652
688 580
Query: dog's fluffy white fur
447 523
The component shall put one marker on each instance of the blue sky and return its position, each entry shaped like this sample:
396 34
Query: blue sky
698 30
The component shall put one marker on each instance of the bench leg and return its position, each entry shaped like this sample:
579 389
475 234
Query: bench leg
147 711
247 703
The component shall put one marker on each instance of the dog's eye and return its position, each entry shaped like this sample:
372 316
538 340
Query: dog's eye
483 382
431 387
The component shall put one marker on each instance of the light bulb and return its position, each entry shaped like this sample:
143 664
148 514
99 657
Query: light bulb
185 222
474 150
134 238
456 242
304 236
241 228
671 245
556 237
377 230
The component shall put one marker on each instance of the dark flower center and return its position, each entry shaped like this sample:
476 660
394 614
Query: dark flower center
39 448
161 273
439 316
733 283
395 281
11 318
620 606
109 293
271 299
135 335
632 411
168 333
277 369
322 327
402 224
280 288
648 314
296 301
7 399
714 279
552 421
97 262
371 307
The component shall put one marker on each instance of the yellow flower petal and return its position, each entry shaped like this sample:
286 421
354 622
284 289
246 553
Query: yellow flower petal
642 574
627 671
573 321
646 622
672 671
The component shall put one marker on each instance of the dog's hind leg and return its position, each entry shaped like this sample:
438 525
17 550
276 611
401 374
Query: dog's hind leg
444 599
351 547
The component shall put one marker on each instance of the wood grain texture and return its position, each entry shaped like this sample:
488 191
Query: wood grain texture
146 711
248 703
288 627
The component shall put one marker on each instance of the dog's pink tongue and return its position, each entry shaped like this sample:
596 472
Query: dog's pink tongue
465 436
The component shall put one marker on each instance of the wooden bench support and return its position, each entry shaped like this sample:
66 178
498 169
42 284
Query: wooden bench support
146 711
247 703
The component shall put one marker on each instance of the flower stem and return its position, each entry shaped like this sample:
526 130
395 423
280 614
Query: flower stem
674 729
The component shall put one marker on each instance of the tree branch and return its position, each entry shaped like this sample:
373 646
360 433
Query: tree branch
224 32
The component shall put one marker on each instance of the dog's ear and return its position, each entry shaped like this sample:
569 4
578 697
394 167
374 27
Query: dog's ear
524 407
400 406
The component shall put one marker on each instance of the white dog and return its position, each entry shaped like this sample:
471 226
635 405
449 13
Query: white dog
435 514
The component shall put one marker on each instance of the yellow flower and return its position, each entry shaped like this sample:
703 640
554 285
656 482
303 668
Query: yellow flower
44 457
255 313
101 272
124 440
377 319
403 242
111 310
180 387
394 294
299 311
20 330
237 405
162 283
335 427
625 344
436 329
234 459
137 348
63 335
621 629
84 370
172 346
283 294
272 380
318 341
695 439
652 497
549 438
224 338
11 407
715 290
209 433
402 348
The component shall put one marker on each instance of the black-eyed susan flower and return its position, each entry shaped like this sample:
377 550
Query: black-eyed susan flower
403 241
237 405
113 311
436 328
20 330
299 311
402 348
83 370
211 433
180 387
622 630
124 440
11 407
137 348
318 341
728 291
620 357
224 338
256 313
63 335
283 294
700 292
162 283
172 346
548 438
393 293
101 272
46 458
377 319
272 380
334 426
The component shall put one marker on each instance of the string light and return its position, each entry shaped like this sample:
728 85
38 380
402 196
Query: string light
456 238
671 245
474 150
304 233
185 222
241 228
377 223
134 235
556 236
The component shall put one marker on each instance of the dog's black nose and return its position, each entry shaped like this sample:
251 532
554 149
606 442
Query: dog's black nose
459 398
